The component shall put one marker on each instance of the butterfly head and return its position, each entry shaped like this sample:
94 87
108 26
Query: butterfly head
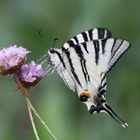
55 56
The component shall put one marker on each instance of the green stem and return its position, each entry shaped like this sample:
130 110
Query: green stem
32 120
30 109
37 115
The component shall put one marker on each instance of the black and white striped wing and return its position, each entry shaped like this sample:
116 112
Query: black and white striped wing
111 51
100 53
87 64
92 34
68 79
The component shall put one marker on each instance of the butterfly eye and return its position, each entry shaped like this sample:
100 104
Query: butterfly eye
51 50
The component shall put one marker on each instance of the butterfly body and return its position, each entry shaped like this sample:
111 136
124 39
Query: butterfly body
83 63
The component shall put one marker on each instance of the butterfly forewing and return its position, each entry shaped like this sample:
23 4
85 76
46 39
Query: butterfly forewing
92 34
68 79
101 53
117 50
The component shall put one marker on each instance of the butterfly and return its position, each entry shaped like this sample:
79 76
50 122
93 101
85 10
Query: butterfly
83 63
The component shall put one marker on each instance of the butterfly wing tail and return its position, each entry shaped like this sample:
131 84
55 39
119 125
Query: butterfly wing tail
110 111
104 107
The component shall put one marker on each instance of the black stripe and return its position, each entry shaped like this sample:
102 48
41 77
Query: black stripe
71 43
101 73
102 89
85 36
80 55
103 86
108 34
83 70
118 58
63 49
116 50
103 46
90 34
85 47
83 63
96 47
72 68
103 78
92 109
76 39
59 55
101 33
114 45
79 51
87 75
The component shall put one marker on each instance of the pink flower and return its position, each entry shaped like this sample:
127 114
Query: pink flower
30 74
12 62
12 58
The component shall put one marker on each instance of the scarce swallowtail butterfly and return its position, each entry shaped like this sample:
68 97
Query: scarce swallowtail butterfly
83 63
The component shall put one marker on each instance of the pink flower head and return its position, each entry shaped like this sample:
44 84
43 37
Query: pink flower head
30 74
12 58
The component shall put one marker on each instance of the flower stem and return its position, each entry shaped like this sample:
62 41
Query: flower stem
30 109
32 120
43 123
25 93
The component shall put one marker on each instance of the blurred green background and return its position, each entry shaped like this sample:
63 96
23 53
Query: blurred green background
20 21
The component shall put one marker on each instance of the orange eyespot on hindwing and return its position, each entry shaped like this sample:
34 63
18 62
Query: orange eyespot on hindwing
84 96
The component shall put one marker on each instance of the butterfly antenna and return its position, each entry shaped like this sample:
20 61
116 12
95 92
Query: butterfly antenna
54 42
110 111
40 33
45 57
48 60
